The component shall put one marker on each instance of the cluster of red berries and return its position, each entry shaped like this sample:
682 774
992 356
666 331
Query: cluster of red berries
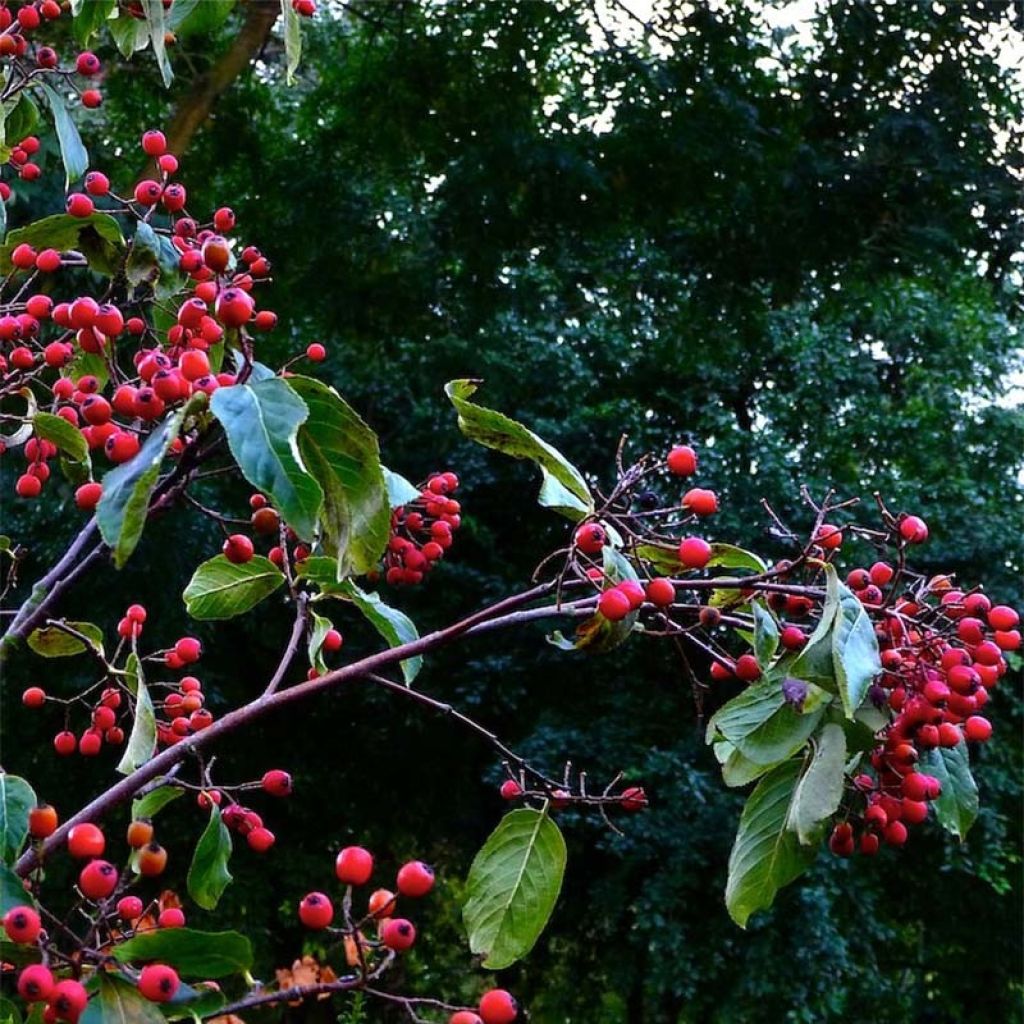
422 531
103 888
16 31
41 334
245 821
354 867
942 653
21 162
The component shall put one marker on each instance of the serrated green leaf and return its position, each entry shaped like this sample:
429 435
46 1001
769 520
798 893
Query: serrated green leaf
394 626
315 647
73 153
400 491
763 726
766 633
820 789
854 647
154 14
98 237
121 512
154 260
342 454
66 437
154 801
957 805
262 421
765 855
563 489
292 39
52 642
208 875
17 798
513 886
142 741
89 17
221 589
194 954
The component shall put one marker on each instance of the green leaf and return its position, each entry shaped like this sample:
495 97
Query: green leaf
854 649
766 855
763 726
766 633
154 260
67 438
342 454
17 798
19 120
12 891
820 789
154 801
221 589
9 1013
189 1003
192 953
73 153
208 875
738 770
262 423
400 491
98 237
729 556
198 17
292 39
130 34
118 1001
142 741
394 626
957 805
512 887
816 661
121 512
90 17
51 642
154 12
322 572
563 488
315 647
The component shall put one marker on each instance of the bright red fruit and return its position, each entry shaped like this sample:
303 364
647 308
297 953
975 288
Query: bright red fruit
354 865
316 910
682 460
158 983
415 879
498 1007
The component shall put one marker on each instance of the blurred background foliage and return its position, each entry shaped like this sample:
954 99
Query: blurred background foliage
800 251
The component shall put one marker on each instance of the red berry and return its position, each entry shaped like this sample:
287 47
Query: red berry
260 839
129 908
234 307
498 1007
694 552
398 933
238 549
34 697
68 1000
1003 618
316 910
316 352
590 538
913 530
661 592
65 743
171 917
977 729
35 984
747 668
28 486
828 536
188 649
154 143
895 833
633 799
793 638
700 501
158 983
79 205
682 460
87 64
614 605
87 496
22 924
277 782
511 790
86 841
333 641
415 879
97 880
465 1017
42 821
354 865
